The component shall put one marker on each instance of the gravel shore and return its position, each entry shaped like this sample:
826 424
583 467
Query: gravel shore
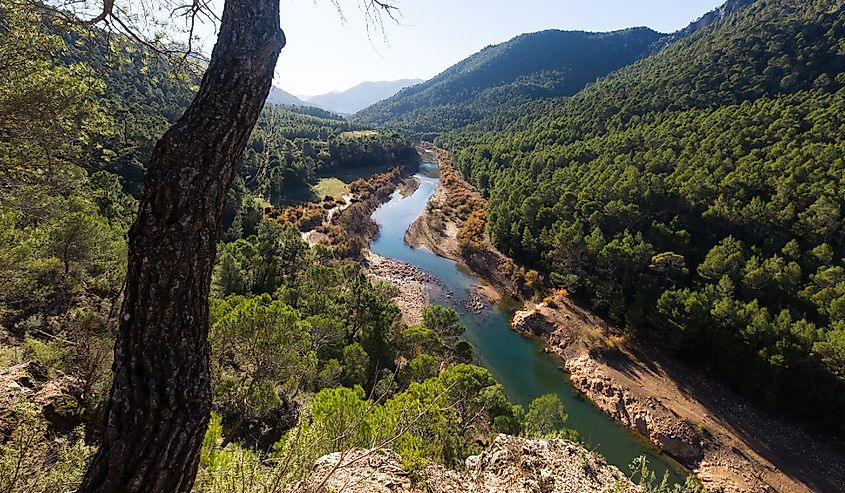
416 288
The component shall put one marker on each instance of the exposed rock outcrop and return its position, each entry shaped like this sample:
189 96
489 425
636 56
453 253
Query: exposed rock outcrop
648 416
15 384
532 322
509 465
54 396
716 15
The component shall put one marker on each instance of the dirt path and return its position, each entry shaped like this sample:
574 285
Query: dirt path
312 236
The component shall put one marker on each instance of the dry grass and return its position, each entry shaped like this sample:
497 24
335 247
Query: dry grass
331 187
357 134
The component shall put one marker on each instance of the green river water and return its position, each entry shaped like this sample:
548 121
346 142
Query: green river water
518 362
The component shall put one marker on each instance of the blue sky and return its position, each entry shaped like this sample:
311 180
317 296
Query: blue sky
325 53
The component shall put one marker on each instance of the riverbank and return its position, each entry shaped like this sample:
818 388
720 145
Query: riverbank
348 222
723 439
346 225
454 229
415 288
504 352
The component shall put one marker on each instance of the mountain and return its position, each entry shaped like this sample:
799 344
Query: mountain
707 19
283 98
531 66
359 97
697 196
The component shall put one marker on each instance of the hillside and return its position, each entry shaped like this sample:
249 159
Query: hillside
292 143
359 97
281 97
696 198
667 210
294 332
531 66
715 15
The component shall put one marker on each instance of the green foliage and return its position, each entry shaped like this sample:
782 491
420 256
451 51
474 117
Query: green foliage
648 482
340 415
545 416
291 148
419 369
487 85
436 420
31 461
260 348
355 362
50 113
71 255
233 469
696 198
445 322
288 320
432 345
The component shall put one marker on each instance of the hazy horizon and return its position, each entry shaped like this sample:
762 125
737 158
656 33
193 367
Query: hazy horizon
344 89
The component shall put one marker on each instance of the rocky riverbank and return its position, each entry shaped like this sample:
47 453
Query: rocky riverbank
726 441
436 230
408 186
509 464
723 439
433 230
416 288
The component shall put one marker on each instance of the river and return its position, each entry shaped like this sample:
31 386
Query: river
518 362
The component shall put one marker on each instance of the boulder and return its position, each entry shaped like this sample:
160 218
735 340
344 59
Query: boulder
532 322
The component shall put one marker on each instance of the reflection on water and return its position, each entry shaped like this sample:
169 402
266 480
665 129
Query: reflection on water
519 363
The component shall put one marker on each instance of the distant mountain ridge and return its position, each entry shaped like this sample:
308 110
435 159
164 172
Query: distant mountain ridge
538 65
283 98
359 97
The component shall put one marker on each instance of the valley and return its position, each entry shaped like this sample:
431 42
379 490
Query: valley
496 346
722 438
589 256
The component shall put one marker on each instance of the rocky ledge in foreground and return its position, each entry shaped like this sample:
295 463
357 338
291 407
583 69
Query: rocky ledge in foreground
510 464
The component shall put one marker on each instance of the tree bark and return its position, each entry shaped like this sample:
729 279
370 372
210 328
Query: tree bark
159 405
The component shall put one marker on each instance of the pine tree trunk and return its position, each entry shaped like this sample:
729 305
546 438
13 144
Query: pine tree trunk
160 401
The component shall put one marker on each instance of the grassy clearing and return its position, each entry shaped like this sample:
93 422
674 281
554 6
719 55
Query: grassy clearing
331 187
355 134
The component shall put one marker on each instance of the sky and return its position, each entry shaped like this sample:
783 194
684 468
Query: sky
327 52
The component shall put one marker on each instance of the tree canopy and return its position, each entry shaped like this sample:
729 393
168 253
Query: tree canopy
695 197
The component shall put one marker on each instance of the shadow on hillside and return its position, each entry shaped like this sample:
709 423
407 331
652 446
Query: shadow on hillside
802 453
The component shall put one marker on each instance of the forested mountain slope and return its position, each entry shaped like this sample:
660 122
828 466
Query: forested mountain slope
140 94
531 66
697 197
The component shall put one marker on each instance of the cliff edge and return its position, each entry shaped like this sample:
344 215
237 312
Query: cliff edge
510 464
